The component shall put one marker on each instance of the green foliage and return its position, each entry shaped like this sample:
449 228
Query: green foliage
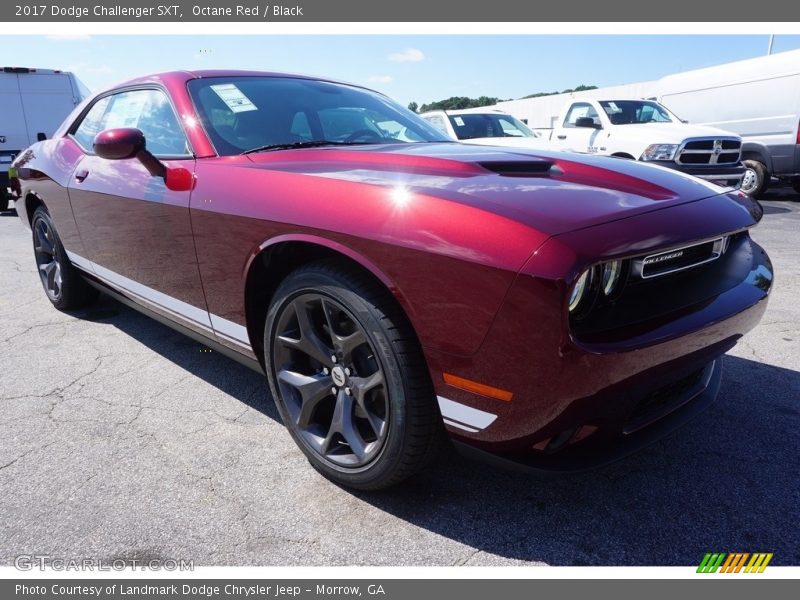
413 106
580 88
459 103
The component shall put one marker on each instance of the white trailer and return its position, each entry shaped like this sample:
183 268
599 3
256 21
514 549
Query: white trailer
758 99
33 103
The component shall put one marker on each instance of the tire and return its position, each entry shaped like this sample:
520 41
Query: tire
756 178
62 283
4 199
382 424
796 185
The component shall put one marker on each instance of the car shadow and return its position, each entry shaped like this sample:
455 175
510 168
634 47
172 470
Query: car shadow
727 482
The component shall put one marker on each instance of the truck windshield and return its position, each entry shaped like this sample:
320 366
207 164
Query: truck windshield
483 125
632 112
261 113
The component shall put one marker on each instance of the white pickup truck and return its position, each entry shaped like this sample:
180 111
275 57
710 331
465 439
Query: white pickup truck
647 131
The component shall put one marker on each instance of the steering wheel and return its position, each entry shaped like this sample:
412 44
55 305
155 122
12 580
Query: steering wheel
363 133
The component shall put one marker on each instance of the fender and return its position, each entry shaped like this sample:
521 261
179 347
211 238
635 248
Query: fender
759 149
340 249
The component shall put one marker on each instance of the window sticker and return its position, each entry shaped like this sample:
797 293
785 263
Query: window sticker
579 111
459 121
233 97
126 110
614 108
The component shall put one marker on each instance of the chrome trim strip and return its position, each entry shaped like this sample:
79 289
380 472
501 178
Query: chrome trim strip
460 426
79 261
463 416
173 305
229 329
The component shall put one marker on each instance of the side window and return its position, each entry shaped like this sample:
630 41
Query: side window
92 124
151 112
437 122
578 110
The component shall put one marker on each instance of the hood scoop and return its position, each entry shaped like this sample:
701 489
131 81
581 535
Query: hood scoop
520 168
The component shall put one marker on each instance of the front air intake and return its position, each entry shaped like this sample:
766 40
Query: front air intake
520 168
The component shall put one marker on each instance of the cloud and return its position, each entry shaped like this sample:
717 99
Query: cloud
407 55
67 37
84 69
380 79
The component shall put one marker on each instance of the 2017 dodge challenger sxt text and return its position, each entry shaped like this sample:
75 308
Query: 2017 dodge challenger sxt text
555 310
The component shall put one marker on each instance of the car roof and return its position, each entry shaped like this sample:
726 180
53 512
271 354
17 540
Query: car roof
187 75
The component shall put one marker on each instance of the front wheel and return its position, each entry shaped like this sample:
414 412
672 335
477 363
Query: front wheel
756 178
349 378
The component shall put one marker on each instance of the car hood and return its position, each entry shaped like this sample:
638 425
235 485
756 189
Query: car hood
669 133
554 192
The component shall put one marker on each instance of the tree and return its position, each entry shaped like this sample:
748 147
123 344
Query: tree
580 88
413 106
459 103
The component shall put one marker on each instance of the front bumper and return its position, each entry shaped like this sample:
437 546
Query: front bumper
723 175
583 402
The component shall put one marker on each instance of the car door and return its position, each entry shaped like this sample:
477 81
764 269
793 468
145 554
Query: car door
577 139
136 233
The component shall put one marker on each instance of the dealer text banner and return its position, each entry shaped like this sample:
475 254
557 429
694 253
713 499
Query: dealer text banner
714 11
388 589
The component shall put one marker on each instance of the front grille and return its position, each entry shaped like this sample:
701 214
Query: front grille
711 151
664 400
678 259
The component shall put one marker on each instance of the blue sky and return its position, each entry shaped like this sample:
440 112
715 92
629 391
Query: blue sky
407 67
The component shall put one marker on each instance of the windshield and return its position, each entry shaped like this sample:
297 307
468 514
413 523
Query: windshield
630 112
263 113
483 125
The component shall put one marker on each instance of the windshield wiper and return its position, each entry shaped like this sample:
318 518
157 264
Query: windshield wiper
296 145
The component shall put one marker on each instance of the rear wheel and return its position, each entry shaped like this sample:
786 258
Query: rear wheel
756 178
62 283
796 185
349 378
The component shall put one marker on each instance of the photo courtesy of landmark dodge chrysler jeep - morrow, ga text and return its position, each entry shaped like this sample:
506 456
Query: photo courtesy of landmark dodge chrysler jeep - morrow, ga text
555 310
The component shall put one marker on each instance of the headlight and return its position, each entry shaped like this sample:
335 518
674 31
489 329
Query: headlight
611 272
579 290
660 152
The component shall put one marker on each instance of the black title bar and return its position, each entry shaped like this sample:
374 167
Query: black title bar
399 11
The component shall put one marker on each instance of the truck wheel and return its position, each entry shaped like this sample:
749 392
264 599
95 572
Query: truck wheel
796 185
756 178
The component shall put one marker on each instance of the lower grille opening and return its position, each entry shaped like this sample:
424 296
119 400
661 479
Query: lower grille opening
666 399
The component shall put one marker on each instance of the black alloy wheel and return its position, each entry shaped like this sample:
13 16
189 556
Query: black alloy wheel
63 284
349 378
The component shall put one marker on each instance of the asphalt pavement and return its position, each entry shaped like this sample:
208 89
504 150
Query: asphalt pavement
121 439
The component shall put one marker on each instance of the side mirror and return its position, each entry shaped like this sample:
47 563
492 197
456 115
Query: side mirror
587 122
128 142
119 144
41 136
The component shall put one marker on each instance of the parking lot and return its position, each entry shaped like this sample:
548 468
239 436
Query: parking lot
120 438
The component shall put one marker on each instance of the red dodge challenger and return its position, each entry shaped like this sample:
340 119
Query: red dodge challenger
548 309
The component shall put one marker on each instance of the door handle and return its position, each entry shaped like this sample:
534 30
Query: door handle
561 137
81 175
